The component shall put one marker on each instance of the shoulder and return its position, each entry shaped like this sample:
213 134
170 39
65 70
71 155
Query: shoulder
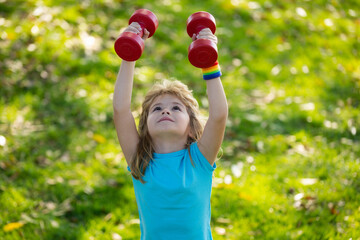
199 158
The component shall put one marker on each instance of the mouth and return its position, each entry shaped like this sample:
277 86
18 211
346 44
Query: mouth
165 119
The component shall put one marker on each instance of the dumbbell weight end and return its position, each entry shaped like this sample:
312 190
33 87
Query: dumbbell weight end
202 53
129 46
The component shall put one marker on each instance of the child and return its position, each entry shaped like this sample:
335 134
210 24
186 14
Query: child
172 157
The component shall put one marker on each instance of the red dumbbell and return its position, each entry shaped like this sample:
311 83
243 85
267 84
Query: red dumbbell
129 46
202 53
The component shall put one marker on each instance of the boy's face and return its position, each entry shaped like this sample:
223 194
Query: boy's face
168 117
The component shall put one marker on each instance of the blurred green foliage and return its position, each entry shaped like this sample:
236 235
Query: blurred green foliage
291 154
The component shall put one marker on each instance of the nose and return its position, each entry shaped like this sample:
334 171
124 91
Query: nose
165 111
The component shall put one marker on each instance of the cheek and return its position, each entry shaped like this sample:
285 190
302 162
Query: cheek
151 122
187 121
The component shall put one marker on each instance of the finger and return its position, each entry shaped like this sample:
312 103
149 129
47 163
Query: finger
132 29
203 36
193 37
209 37
136 25
205 31
146 34
206 34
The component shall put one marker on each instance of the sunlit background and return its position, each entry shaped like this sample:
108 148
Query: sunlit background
291 154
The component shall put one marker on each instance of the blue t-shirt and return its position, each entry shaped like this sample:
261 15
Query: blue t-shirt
174 203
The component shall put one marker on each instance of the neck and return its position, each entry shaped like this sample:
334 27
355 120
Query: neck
167 145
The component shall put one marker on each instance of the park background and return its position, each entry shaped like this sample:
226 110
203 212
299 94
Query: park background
291 154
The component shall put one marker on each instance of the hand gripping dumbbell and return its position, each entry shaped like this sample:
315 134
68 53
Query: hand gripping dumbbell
202 53
129 46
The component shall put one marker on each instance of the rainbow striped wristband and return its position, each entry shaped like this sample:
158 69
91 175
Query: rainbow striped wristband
211 72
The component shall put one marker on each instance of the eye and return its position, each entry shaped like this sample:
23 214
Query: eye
156 109
177 108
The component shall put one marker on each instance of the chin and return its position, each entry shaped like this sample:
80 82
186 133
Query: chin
167 132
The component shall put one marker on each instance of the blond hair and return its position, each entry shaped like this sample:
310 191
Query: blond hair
145 147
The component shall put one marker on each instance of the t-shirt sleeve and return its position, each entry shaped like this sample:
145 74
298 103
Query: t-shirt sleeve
199 158
128 168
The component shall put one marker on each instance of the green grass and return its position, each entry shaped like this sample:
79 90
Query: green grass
293 87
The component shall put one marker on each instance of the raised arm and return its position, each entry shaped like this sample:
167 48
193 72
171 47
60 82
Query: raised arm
210 142
123 118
